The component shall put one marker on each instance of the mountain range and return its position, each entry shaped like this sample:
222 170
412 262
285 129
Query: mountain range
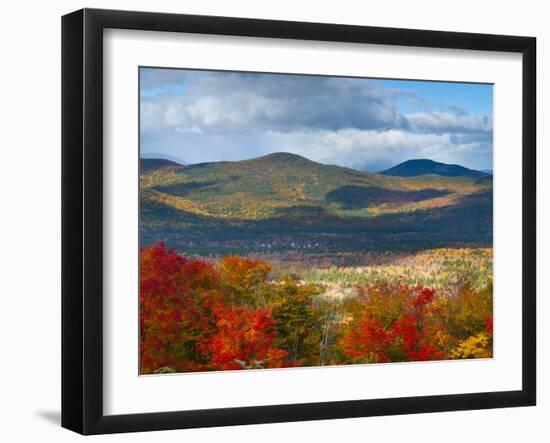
284 201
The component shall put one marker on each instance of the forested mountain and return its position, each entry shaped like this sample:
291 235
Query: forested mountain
283 201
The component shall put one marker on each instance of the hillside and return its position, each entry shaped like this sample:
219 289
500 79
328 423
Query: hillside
413 168
148 165
282 199
262 187
161 156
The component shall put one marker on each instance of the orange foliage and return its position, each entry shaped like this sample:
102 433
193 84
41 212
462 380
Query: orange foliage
242 272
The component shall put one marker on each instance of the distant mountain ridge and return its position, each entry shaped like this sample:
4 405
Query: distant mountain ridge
151 164
414 168
161 156
283 200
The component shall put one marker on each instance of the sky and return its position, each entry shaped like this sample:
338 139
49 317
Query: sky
368 124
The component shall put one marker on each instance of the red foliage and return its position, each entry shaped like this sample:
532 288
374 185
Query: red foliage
243 339
489 325
368 341
425 296
406 338
187 323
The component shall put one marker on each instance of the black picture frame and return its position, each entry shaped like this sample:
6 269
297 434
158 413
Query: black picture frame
82 218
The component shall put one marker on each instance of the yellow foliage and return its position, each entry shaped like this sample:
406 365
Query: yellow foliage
476 346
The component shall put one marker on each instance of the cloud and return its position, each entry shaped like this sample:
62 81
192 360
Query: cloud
370 150
217 102
211 116
458 110
445 122
376 150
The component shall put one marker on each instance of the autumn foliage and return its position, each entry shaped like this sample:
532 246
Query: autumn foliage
394 324
201 316
190 320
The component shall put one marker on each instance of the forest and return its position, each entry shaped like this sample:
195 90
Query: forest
240 312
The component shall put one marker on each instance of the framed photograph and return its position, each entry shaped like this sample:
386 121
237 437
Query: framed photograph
269 221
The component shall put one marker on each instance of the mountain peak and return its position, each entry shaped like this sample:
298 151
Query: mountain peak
283 157
282 160
415 167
